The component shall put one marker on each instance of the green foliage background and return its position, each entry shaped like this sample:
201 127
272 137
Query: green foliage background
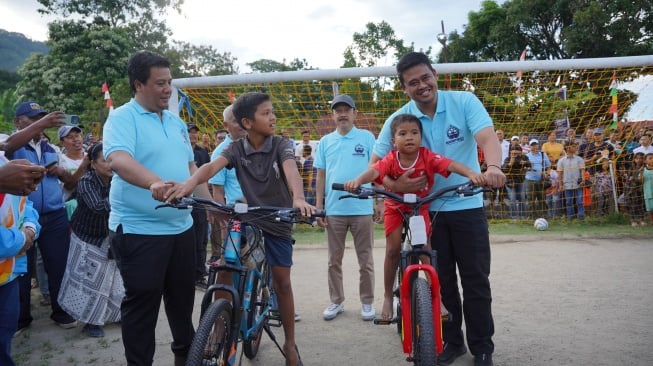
93 49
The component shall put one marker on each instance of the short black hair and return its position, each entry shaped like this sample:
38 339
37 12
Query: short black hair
412 59
402 118
140 65
245 106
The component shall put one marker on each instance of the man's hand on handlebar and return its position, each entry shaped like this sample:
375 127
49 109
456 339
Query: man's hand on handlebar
494 177
178 190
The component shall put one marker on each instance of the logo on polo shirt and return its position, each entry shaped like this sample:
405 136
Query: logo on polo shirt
359 150
453 135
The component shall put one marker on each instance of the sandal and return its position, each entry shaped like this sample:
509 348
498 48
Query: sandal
299 357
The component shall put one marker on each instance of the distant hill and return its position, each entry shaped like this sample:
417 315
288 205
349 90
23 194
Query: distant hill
15 48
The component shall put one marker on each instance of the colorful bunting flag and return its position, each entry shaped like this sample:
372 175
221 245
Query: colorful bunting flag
107 96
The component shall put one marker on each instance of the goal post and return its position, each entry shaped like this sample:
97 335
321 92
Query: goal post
522 97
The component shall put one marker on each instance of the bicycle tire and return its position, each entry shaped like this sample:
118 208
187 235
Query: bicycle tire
423 332
209 345
259 300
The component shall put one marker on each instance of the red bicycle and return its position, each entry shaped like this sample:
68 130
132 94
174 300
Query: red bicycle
418 314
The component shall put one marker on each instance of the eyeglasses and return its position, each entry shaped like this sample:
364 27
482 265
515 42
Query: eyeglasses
220 137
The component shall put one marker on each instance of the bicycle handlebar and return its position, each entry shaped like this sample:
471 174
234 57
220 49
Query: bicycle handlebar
466 189
280 214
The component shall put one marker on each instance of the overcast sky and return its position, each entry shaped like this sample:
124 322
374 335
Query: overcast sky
315 30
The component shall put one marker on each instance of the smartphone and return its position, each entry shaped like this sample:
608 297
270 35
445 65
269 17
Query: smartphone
50 164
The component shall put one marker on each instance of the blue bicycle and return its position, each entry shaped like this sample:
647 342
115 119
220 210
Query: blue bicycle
223 323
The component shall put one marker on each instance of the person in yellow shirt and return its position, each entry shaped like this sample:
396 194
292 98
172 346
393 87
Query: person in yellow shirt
553 148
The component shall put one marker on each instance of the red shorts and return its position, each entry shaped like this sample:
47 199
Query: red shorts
392 219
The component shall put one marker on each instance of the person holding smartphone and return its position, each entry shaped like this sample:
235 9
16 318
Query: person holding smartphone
54 238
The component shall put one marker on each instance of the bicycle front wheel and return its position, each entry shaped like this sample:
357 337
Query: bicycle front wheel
423 332
209 345
258 303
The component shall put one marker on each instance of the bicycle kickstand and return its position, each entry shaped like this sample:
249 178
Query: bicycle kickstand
270 334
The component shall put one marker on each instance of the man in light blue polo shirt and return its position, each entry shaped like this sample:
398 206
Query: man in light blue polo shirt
454 122
147 147
225 186
342 155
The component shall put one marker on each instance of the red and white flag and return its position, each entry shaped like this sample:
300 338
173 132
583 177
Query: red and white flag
107 96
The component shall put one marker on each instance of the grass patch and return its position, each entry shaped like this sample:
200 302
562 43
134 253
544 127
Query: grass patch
611 225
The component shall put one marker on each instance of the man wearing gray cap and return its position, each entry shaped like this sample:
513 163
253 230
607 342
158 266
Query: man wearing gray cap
341 156
54 238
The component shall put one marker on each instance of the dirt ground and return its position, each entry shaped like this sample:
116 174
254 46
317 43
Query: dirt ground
559 301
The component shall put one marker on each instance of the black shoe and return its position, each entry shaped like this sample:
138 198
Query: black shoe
484 359
450 354
201 284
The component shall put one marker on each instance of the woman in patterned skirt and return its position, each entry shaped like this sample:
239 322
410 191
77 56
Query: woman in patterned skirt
92 289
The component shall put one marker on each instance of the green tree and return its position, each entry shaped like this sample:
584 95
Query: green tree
610 28
94 48
82 57
266 65
191 60
378 42
555 29
114 12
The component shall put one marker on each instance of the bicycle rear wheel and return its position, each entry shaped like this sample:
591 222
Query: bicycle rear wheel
258 303
209 347
423 332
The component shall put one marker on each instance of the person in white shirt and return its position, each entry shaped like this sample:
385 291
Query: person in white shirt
505 145
645 146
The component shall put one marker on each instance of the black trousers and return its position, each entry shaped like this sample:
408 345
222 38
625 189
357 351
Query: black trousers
155 266
201 228
462 241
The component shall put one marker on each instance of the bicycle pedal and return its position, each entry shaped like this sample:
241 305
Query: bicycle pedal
380 321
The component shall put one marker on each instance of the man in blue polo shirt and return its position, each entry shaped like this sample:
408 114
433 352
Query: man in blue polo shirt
342 155
454 124
225 186
147 147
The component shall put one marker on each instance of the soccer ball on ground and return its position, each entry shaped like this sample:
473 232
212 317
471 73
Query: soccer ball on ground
541 224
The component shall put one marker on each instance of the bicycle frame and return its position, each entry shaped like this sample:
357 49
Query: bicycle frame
243 283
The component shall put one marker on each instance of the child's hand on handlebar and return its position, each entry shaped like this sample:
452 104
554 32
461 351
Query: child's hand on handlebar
304 207
478 179
178 190
352 185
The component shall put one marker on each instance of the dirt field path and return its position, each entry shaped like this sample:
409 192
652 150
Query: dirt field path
556 302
